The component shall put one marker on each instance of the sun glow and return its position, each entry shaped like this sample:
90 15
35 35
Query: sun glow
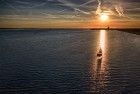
104 17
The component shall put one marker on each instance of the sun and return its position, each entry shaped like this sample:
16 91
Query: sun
104 17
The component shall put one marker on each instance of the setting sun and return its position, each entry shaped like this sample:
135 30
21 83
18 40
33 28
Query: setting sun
104 17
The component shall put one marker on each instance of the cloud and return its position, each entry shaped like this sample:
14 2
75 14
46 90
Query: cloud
82 8
73 6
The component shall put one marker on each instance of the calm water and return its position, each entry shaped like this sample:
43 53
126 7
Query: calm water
66 62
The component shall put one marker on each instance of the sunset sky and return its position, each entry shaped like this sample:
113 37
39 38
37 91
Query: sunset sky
69 13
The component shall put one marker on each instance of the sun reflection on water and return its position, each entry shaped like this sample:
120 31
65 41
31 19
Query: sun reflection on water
100 65
102 39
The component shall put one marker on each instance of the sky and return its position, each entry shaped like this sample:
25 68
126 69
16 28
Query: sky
69 13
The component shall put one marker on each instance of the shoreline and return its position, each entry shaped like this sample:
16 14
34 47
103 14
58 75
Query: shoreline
128 30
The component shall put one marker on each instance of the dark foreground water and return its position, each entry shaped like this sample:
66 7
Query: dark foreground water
65 62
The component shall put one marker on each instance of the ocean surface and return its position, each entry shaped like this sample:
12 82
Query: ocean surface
35 61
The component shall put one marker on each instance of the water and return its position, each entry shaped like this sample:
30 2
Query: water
66 62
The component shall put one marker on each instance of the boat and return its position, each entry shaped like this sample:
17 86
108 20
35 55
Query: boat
99 54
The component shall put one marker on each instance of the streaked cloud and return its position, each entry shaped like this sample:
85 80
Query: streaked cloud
68 10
